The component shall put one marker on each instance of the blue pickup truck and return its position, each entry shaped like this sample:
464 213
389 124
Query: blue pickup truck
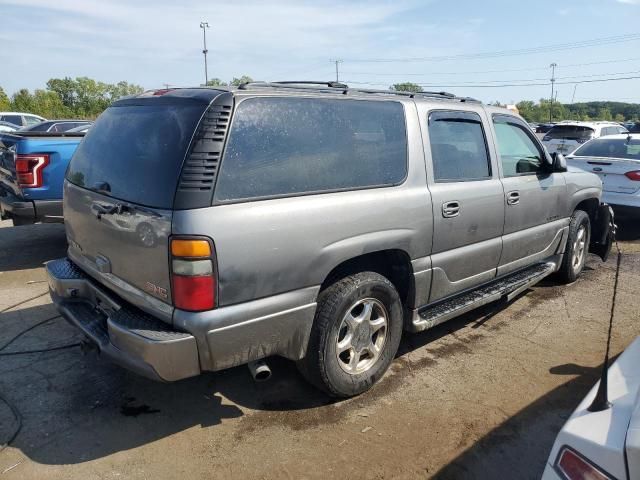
32 169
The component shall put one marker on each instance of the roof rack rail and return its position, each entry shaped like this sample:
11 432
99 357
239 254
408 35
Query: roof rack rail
345 89
295 84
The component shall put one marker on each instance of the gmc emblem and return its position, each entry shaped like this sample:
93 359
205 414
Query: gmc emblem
156 290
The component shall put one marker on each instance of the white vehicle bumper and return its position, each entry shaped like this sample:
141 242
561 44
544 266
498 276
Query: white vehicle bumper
622 199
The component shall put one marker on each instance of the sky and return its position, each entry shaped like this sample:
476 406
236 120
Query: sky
447 45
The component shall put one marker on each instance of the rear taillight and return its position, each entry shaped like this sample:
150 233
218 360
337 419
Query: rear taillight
633 175
29 169
573 466
193 274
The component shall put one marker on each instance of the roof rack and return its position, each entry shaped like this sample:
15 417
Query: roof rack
345 89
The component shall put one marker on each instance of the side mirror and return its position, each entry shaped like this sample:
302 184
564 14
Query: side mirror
559 163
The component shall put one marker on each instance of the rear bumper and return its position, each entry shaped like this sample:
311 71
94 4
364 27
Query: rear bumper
623 203
12 206
212 340
123 334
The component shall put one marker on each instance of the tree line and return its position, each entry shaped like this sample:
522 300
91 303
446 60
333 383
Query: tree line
80 97
83 97
543 110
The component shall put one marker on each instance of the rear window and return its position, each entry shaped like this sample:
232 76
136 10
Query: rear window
286 146
609 147
136 152
15 119
569 132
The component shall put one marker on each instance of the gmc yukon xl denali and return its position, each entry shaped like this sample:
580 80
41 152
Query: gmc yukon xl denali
210 228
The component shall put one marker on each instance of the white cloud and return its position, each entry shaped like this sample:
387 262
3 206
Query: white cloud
629 2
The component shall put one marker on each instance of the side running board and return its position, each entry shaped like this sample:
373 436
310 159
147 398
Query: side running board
504 288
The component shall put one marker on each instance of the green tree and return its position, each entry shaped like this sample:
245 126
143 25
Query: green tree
66 90
22 101
239 81
604 114
619 117
5 103
406 87
215 82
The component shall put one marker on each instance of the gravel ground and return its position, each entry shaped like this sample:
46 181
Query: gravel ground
482 396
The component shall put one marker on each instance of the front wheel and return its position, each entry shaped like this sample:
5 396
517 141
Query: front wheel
575 253
355 336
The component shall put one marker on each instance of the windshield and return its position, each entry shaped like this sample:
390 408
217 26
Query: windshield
135 152
570 132
610 147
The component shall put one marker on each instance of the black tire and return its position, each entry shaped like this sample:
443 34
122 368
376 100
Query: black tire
21 221
569 270
322 366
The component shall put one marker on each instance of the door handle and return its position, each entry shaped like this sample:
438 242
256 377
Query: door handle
450 209
513 198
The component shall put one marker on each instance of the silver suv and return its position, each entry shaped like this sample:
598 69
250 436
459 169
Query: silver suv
211 228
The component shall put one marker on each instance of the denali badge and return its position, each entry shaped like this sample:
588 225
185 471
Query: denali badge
156 290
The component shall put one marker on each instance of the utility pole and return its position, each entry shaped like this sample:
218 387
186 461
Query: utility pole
204 26
337 62
553 80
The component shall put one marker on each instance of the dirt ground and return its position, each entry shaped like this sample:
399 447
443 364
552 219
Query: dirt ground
482 396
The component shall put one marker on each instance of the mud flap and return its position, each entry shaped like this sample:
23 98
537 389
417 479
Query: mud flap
603 230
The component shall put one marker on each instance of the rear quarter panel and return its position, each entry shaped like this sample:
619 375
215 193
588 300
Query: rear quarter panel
60 151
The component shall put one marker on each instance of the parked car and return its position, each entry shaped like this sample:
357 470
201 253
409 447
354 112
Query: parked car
32 166
544 127
634 127
303 221
21 119
8 127
80 129
603 443
56 126
616 160
565 137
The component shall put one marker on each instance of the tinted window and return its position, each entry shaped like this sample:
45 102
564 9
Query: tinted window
15 119
518 152
610 147
137 151
31 120
458 147
569 132
284 146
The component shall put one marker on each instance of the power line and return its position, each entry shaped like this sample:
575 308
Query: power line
475 85
502 70
506 53
527 81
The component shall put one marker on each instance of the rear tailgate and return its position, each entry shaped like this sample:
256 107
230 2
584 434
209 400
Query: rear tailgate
119 195
611 171
8 147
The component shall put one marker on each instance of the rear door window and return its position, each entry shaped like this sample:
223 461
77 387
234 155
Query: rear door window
286 146
458 147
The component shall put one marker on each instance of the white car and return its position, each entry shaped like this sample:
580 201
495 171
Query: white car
565 137
605 444
616 160
21 119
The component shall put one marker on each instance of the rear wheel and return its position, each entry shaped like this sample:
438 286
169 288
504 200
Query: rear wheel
355 335
575 253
